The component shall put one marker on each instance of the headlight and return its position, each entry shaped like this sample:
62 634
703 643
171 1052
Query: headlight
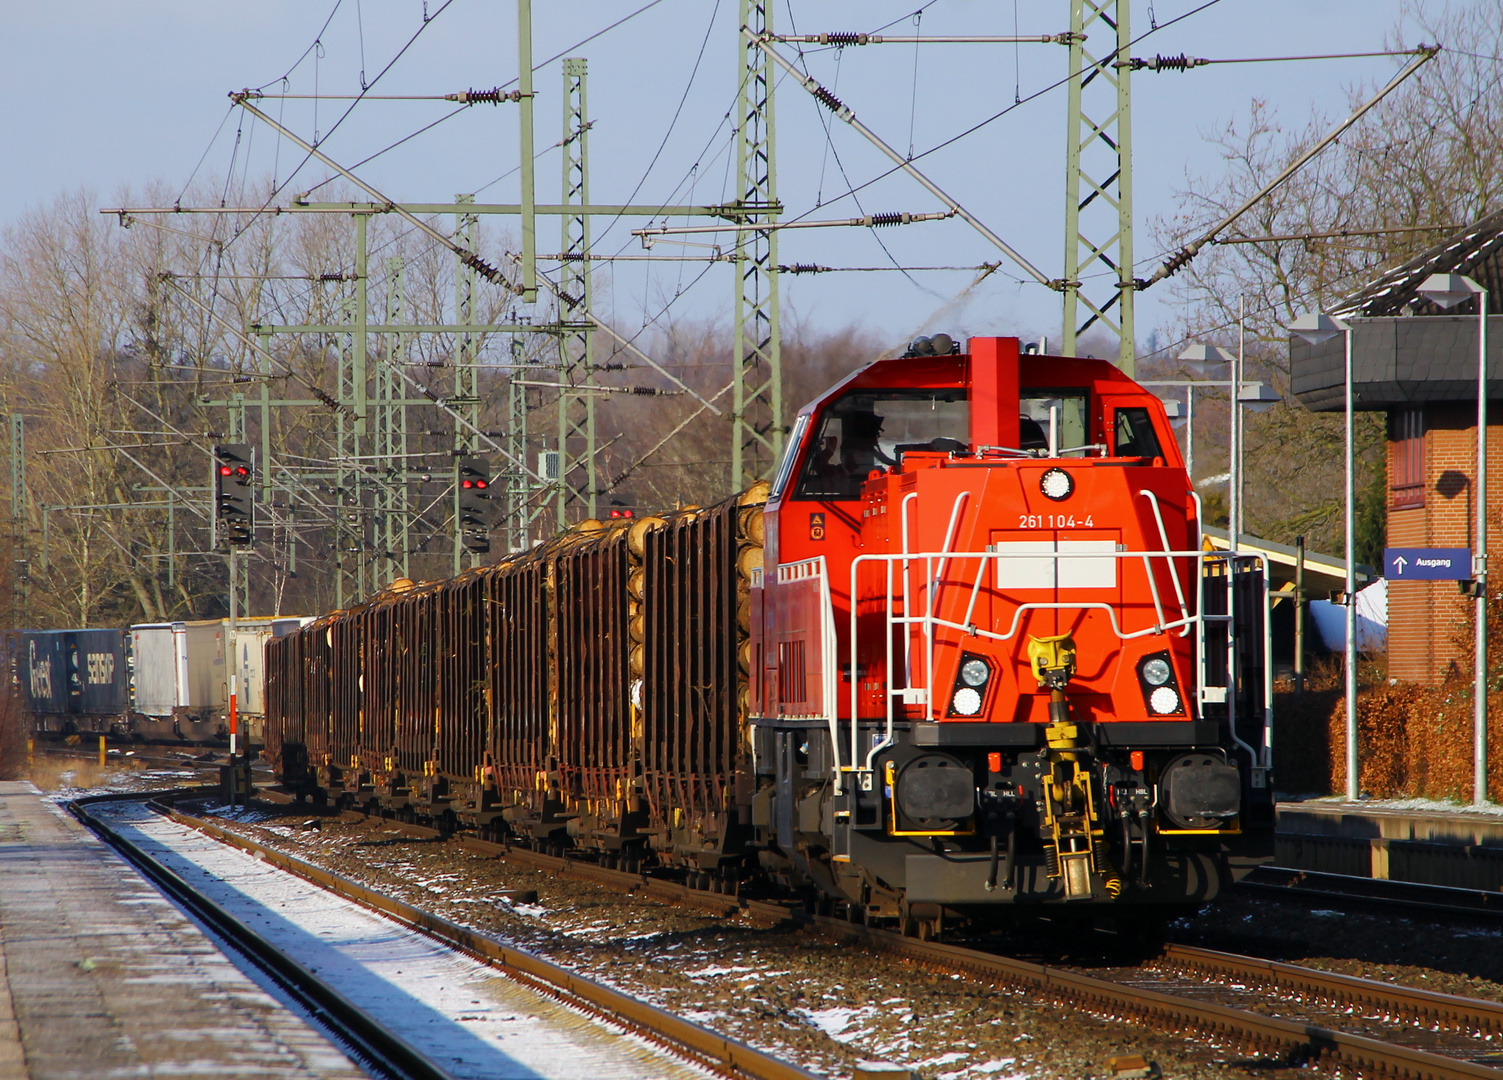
1164 701
1156 672
974 672
966 702
1056 484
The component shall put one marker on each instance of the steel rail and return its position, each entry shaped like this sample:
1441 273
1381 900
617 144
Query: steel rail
1386 893
1297 1041
1416 1006
1300 1042
682 1037
390 1054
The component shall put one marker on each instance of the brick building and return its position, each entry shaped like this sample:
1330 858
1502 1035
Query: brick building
1418 364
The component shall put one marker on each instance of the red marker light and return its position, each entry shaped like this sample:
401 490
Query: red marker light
994 762
1136 759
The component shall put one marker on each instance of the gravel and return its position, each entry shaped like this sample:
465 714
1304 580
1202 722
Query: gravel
796 994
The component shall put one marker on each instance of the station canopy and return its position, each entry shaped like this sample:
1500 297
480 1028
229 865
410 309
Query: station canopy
1406 350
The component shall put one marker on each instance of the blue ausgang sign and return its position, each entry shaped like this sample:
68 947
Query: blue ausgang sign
1427 564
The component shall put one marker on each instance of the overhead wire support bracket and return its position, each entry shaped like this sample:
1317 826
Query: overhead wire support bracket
1185 63
491 273
471 96
730 211
1423 55
869 221
845 113
841 40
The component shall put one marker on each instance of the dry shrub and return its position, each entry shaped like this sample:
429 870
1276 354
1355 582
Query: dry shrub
1412 741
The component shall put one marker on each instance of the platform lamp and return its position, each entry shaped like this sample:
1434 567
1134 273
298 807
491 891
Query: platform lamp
1210 360
1318 328
1446 291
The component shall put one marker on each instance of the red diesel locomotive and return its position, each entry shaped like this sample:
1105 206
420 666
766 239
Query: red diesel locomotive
968 658
991 660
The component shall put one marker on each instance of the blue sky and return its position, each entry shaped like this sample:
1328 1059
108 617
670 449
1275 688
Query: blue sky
111 96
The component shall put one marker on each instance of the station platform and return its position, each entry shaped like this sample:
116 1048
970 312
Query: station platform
1426 844
101 976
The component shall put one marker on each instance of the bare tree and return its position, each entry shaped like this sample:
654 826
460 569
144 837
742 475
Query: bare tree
1429 155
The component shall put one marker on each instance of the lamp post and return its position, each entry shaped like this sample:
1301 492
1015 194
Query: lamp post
1255 396
1317 328
1204 360
1448 290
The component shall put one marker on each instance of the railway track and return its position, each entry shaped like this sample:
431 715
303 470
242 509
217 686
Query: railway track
1374 893
1278 1010
373 1041
132 753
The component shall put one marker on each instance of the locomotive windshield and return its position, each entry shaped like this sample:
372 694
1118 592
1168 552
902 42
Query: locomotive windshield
870 429
1069 409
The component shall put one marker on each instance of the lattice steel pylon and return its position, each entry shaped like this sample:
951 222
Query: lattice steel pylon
1098 179
757 379
576 407
466 395
393 513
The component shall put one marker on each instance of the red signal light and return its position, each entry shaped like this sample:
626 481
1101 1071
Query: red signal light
242 471
480 484
224 470
626 514
466 483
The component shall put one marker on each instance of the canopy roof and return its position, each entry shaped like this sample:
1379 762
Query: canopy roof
1476 251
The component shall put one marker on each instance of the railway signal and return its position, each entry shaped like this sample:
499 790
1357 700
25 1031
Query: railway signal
233 506
473 483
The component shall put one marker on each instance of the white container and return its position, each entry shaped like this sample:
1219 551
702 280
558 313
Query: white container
154 669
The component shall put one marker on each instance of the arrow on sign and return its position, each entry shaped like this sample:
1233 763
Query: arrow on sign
1400 563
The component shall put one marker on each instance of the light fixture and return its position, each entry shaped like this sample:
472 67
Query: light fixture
1164 701
1316 327
1156 672
974 672
966 702
1205 359
1258 397
1057 484
1448 290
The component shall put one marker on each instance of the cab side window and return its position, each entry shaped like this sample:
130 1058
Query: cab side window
1134 434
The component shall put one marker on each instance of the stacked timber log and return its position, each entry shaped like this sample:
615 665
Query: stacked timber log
750 537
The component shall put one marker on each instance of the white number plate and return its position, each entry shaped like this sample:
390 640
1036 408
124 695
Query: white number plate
1055 521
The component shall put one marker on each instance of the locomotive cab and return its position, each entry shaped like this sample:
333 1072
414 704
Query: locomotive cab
990 663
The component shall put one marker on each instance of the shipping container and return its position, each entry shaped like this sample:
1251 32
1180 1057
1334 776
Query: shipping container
74 680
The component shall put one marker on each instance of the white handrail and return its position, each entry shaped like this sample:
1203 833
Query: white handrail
930 621
1153 501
